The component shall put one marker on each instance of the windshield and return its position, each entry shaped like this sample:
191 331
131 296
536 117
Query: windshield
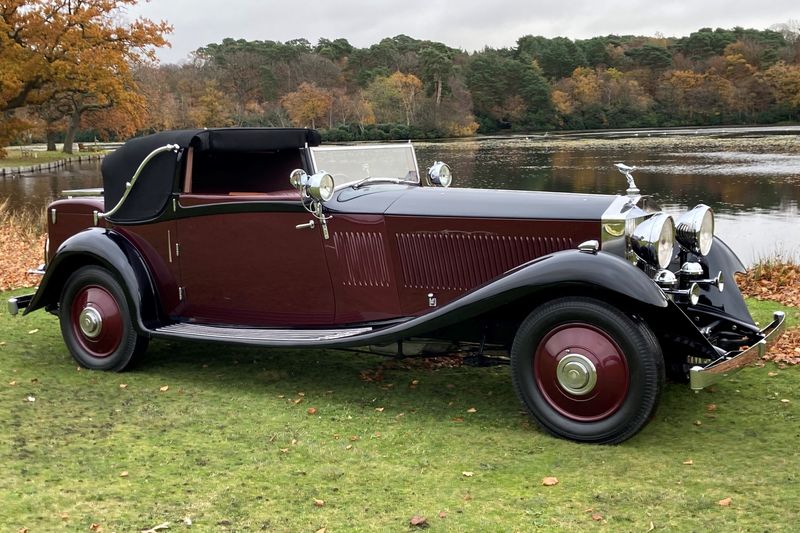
351 164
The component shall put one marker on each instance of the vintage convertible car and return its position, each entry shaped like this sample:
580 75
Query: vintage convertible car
264 237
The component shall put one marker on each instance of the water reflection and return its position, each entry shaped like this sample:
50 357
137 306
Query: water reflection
752 183
33 192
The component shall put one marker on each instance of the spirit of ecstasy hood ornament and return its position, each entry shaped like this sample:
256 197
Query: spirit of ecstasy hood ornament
632 190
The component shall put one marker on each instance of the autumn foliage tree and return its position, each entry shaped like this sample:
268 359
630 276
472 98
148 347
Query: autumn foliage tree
307 105
80 51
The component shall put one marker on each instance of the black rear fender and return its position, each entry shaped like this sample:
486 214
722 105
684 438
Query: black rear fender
110 250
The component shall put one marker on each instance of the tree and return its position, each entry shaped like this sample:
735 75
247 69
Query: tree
307 104
508 93
408 87
785 80
49 46
436 67
385 100
210 111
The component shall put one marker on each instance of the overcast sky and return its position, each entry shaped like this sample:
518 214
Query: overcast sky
465 24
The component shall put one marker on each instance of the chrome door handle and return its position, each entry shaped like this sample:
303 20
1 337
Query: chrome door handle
307 225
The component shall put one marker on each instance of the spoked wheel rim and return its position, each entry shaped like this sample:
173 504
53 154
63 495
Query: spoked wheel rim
581 372
97 321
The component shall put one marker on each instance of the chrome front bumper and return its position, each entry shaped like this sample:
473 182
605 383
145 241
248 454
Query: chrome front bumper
19 302
703 376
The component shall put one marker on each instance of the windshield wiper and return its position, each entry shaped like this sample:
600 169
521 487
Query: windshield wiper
373 179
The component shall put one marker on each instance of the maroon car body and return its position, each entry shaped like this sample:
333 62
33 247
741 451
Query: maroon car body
200 235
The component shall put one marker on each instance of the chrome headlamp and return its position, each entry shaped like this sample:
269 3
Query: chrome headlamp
653 239
440 174
320 186
695 230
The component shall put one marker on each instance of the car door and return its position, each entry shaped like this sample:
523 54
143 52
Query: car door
245 262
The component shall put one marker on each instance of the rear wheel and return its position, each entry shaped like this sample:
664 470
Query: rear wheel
96 322
586 371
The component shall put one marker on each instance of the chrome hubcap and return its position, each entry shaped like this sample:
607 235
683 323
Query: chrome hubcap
576 374
90 321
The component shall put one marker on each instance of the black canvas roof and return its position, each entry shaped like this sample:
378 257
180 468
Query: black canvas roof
154 186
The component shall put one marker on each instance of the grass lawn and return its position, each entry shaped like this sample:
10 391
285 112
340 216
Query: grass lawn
248 439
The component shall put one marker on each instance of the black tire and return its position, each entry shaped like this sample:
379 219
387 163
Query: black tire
96 322
627 353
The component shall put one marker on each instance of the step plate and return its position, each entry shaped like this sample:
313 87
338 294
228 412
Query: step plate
260 335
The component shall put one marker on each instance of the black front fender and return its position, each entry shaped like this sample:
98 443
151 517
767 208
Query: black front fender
569 271
109 249
603 276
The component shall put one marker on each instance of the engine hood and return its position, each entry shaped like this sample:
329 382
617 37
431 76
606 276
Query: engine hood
399 200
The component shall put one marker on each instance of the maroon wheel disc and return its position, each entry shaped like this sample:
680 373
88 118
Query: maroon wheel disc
96 321
581 372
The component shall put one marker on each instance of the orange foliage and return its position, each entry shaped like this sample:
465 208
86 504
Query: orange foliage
307 104
49 48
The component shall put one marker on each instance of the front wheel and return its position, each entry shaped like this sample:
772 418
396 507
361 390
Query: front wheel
585 371
96 321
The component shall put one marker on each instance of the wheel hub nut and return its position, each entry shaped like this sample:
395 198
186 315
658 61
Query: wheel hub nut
576 374
90 322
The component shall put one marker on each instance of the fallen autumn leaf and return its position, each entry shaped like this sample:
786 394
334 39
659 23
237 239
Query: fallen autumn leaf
419 521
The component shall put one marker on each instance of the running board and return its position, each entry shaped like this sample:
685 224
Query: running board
265 337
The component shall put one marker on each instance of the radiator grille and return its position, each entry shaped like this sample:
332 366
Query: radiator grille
461 261
362 259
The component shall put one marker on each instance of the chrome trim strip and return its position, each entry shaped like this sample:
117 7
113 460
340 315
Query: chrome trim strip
701 377
82 192
129 185
256 334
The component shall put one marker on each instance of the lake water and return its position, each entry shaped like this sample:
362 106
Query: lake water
752 181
